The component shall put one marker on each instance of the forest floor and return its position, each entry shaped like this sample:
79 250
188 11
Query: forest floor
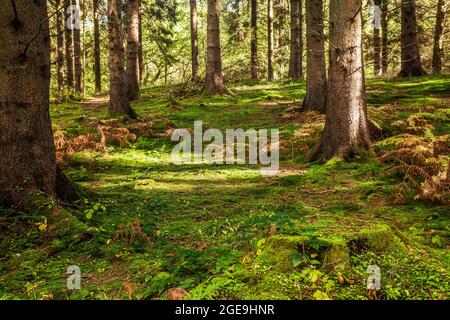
151 229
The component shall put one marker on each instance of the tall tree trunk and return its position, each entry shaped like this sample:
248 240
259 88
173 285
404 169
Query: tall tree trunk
377 46
254 39
60 43
411 65
438 30
69 45
214 78
346 128
300 35
194 40
295 57
77 51
118 99
132 50
27 152
140 55
270 40
384 36
97 66
316 79
281 11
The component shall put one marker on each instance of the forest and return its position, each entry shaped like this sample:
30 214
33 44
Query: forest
224 150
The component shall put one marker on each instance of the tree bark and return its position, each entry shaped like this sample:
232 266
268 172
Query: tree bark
77 52
316 79
60 44
69 46
118 100
270 40
384 37
194 41
140 55
377 46
410 54
97 65
438 30
346 128
295 56
132 50
254 40
27 152
214 78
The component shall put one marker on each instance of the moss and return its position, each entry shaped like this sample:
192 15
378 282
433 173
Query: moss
381 238
337 259
278 252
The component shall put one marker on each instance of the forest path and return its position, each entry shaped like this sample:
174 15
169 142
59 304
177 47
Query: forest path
95 102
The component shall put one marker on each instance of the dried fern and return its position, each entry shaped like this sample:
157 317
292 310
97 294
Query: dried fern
423 163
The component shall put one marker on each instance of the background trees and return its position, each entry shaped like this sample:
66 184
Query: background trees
252 40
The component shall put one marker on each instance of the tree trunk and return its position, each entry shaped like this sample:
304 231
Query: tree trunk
346 128
118 100
254 40
77 52
60 44
270 40
411 66
27 152
194 41
384 36
438 30
97 66
316 79
140 56
214 78
132 50
69 46
300 34
377 46
295 57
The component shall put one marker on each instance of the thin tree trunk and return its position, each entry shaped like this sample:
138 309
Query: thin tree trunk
438 30
214 78
194 41
410 54
60 44
69 46
140 56
384 36
316 80
270 40
300 35
132 50
295 56
254 39
27 152
77 51
97 66
377 46
346 128
118 100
